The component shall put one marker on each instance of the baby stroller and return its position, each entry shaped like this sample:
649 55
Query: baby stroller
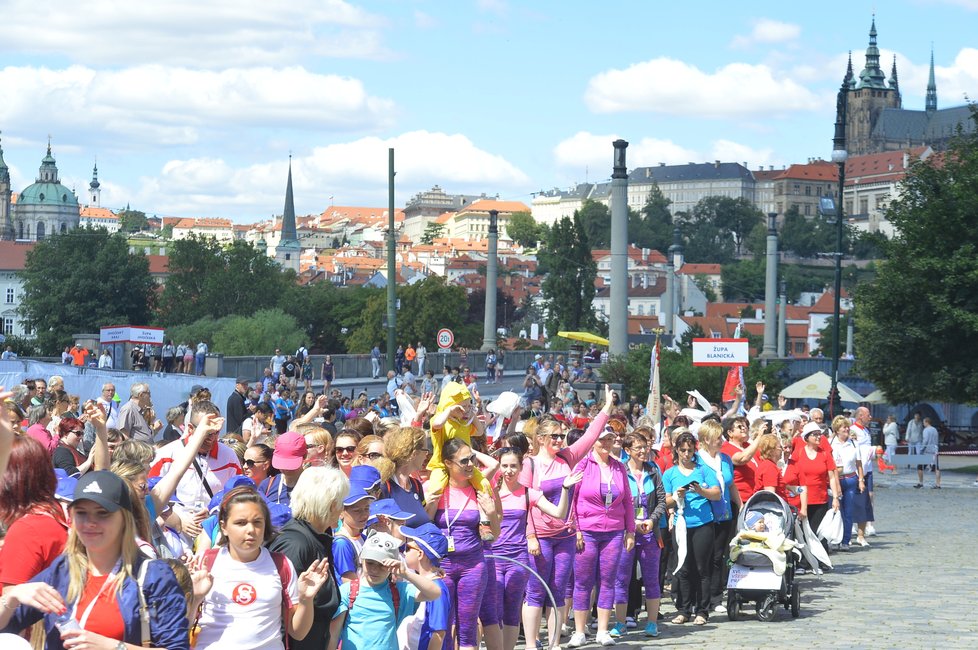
763 556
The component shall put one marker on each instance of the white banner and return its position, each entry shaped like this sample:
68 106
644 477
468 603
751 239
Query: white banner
721 352
130 334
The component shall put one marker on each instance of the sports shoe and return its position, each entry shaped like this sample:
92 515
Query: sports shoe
566 630
652 629
919 485
720 609
870 529
862 542
935 487
630 623
617 629
577 640
604 639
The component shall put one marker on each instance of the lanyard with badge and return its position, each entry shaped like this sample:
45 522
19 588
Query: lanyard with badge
608 497
458 513
640 507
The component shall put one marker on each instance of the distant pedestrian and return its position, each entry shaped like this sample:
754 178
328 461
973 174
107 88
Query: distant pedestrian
169 354
929 447
422 355
409 355
199 358
375 362
105 360
328 374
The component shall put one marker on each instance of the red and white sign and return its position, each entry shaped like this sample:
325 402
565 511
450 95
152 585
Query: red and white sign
130 334
445 338
721 352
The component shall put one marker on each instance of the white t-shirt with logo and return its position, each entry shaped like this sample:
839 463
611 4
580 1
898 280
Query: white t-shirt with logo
243 610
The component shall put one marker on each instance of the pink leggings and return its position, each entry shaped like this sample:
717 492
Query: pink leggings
465 577
554 565
601 549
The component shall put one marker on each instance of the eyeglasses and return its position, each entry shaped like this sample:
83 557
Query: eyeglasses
77 432
465 460
346 450
374 455
638 450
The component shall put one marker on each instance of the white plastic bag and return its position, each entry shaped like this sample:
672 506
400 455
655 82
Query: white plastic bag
831 527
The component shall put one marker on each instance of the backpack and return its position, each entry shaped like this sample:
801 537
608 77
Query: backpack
355 590
284 574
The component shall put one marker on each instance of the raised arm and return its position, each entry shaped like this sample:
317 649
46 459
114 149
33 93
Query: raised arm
313 413
6 431
579 449
163 490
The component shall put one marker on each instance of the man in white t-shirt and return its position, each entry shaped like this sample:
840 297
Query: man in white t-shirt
210 470
109 406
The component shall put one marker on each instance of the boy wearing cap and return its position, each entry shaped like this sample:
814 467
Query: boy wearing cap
373 605
347 543
387 517
426 546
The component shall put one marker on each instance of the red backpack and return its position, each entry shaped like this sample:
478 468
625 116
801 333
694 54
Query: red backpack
355 589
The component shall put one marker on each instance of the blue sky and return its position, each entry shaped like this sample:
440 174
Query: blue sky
193 110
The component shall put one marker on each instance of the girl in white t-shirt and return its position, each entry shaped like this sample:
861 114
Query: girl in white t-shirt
251 588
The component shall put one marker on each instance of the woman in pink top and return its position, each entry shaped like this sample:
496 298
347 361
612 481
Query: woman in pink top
552 540
606 519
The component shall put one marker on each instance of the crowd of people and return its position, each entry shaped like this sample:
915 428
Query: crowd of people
315 521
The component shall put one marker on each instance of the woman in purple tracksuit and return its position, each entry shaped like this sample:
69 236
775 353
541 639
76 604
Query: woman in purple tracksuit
457 513
511 578
551 540
606 519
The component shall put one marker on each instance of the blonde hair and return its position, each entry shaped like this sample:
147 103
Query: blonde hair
134 451
317 492
767 444
837 423
710 432
320 436
129 471
77 558
401 443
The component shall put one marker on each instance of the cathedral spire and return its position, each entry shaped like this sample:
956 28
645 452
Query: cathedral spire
288 214
931 102
848 80
894 83
872 75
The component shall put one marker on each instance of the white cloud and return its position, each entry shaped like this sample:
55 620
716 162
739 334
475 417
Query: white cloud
593 152
215 33
424 20
158 104
669 86
355 173
768 31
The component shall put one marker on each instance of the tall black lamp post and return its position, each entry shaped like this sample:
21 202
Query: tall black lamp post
839 156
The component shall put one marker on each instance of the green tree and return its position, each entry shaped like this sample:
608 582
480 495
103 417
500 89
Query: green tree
208 278
918 320
594 221
703 283
79 281
651 227
426 307
523 229
432 231
324 311
132 220
568 289
826 337
258 333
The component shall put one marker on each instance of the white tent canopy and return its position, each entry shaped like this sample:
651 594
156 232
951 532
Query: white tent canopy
876 397
817 386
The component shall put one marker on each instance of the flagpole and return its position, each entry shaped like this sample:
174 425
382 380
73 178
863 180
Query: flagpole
653 406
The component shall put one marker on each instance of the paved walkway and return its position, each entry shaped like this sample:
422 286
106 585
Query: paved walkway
916 586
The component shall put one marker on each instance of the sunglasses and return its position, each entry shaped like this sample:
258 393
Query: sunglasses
346 450
251 463
557 437
465 460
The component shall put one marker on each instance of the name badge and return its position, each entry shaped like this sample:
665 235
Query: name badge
451 544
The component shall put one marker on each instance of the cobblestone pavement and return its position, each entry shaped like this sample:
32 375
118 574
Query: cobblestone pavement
915 586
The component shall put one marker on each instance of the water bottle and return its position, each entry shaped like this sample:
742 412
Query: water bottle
66 622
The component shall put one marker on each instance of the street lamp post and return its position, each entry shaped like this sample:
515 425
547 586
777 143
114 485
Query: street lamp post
839 156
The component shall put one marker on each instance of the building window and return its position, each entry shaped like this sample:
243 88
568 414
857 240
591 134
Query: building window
808 190
10 296
808 209
8 326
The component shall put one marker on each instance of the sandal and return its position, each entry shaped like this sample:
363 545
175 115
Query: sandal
679 620
699 620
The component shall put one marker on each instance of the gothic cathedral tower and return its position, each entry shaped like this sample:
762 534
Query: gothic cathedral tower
868 95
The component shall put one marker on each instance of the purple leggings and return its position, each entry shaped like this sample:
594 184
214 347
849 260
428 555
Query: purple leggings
489 612
510 585
647 547
601 549
465 574
554 565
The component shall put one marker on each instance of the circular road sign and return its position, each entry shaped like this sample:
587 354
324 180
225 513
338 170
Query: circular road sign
445 338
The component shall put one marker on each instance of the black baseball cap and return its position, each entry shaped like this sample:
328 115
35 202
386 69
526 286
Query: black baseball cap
104 488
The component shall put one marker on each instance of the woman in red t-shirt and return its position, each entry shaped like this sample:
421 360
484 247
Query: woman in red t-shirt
767 475
37 528
814 469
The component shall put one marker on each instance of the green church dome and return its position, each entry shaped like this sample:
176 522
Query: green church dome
47 194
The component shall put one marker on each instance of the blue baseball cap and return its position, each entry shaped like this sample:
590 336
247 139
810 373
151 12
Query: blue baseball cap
388 508
66 485
429 539
365 476
357 494
238 480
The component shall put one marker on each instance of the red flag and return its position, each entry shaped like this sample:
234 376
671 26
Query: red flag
731 383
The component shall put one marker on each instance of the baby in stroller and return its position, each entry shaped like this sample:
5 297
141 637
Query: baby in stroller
763 554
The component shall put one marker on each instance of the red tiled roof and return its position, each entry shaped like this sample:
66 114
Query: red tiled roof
880 167
158 264
700 269
13 255
819 170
